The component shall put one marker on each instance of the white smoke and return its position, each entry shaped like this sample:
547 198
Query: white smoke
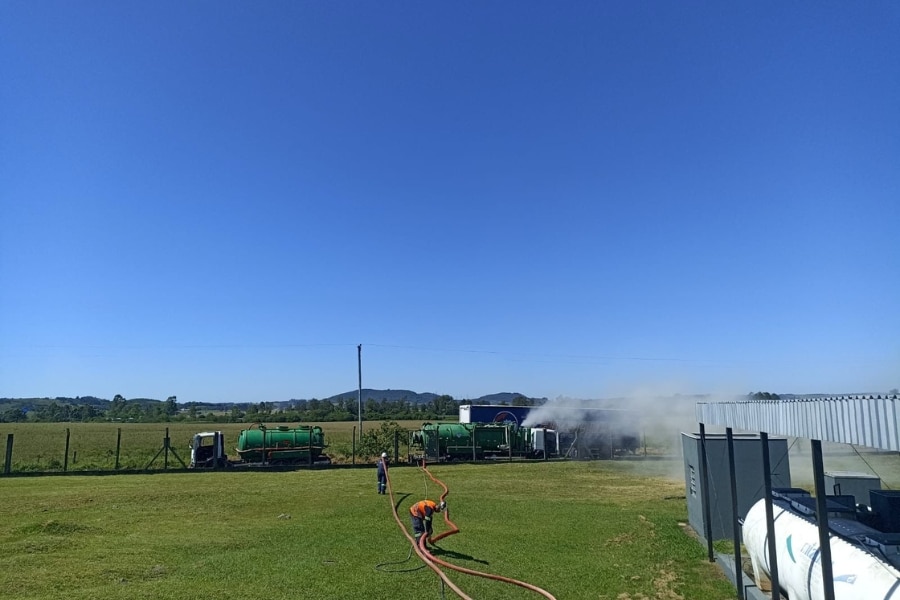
659 416
566 413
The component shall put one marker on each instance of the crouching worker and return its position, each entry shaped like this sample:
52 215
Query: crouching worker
421 513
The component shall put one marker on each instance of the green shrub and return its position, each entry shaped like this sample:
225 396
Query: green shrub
376 441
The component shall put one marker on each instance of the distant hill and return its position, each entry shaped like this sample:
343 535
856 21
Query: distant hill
426 397
388 395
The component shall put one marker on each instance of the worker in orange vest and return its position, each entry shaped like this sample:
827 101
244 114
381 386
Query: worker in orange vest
420 515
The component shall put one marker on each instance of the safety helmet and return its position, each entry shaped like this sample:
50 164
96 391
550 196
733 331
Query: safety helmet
384 455
442 506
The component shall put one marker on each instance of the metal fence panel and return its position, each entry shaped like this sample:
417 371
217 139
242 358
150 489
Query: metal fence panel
859 421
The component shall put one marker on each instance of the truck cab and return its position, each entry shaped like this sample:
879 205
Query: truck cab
208 451
544 442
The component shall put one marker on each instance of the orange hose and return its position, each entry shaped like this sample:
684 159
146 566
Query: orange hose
423 554
432 561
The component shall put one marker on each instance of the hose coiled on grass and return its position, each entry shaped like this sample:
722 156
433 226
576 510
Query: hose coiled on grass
432 561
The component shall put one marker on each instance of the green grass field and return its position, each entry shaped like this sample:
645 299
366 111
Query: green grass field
92 446
602 530
606 530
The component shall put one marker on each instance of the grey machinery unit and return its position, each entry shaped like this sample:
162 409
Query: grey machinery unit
748 475
844 483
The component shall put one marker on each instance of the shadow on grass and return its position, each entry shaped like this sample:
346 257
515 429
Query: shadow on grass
440 552
400 498
437 550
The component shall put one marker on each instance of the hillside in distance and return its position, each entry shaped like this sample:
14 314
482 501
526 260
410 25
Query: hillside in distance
412 397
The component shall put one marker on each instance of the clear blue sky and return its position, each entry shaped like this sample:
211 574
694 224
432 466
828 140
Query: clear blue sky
220 200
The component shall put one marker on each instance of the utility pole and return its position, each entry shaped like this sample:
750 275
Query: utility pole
359 394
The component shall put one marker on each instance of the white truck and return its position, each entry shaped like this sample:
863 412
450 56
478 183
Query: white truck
208 451
544 442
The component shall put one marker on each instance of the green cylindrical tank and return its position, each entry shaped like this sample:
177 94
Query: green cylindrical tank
457 439
520 439
443 440
491 439
465 441
281 444
453 432
454 439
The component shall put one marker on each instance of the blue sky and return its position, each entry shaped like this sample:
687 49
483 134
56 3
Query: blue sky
220 200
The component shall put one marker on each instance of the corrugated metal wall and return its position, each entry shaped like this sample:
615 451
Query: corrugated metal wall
857 420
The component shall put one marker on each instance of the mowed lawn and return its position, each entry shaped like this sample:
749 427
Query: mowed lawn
605 530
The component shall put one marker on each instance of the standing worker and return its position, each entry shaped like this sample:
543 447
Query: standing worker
421 513
381 467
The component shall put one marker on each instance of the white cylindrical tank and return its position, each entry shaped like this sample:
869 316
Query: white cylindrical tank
858 575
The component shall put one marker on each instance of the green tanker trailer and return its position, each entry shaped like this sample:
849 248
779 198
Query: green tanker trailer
467 441
280 445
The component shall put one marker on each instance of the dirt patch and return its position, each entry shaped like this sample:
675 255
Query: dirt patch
663 585
622 538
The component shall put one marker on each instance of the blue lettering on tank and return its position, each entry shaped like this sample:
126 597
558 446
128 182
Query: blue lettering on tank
810 550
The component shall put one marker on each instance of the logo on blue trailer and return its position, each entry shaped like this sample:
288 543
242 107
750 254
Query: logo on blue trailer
483 413
505 417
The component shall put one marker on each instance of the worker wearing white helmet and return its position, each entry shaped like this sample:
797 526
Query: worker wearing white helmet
381 466
420 515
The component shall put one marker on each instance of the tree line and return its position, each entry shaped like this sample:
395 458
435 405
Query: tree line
763 396
144 410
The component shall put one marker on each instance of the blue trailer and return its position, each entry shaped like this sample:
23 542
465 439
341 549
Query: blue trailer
486 413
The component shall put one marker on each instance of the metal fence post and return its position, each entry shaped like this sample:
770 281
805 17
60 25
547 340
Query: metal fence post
7 467
736 528
704 489
118 446
822 520
770 516
66 458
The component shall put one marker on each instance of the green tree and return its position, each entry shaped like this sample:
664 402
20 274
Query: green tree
84 412
443 406
372 410
117 407
13 415
521 400
375 441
